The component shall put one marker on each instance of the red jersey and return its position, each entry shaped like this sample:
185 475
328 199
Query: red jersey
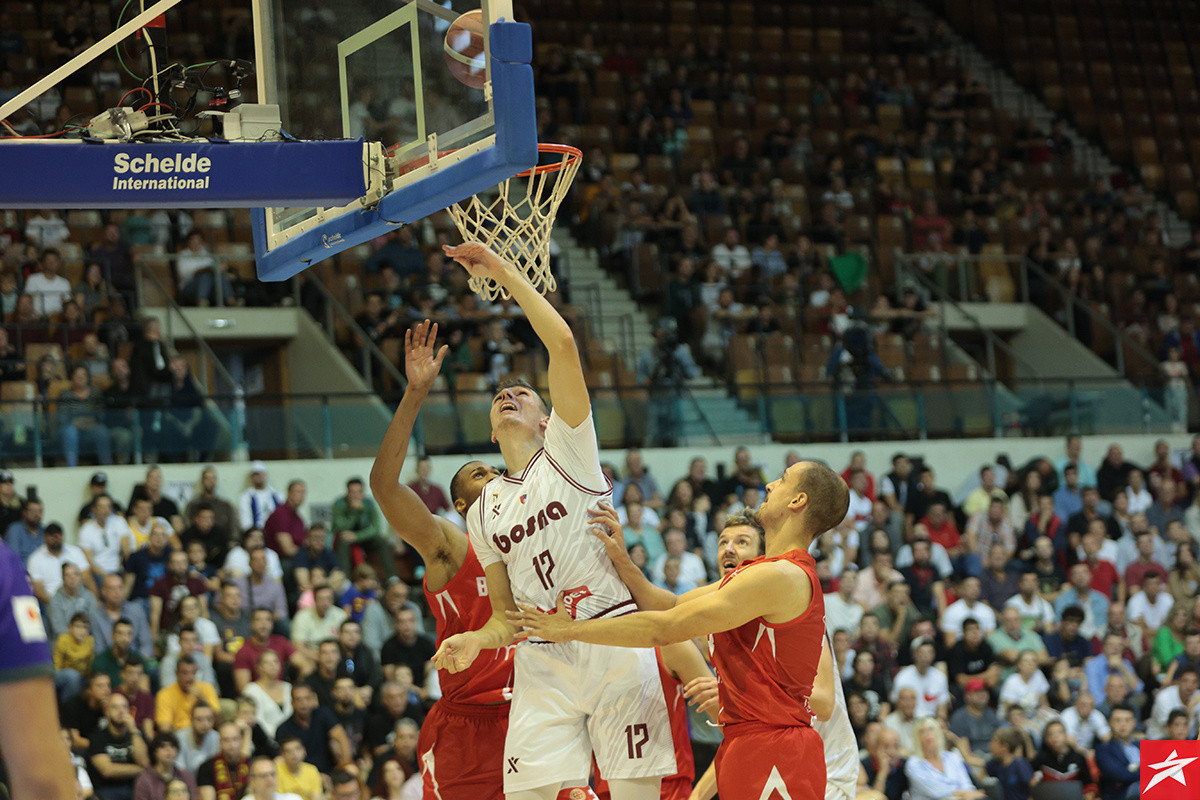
766 671
462 605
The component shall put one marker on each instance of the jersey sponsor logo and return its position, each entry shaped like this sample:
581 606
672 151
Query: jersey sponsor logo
512 767
29 619
536 522
572 598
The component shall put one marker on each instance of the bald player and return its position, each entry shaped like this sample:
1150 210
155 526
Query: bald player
766 623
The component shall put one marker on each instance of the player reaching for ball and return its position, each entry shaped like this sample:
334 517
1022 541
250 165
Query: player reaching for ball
766 620
740 540
461 748
529 530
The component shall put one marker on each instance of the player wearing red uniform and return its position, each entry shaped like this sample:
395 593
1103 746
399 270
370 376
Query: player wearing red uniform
461 744
766 620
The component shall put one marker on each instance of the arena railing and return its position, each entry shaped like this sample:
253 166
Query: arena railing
342 425
959 277
233 418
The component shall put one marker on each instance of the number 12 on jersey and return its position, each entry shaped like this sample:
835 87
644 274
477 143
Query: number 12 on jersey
543 565
636 737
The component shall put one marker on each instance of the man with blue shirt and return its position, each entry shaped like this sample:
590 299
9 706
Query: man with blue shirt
1087 475
1068 499
25 535
1119 759
1111 662
1080 593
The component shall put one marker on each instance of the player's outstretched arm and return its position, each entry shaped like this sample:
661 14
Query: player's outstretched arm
459 651
568 391
775 591
431 536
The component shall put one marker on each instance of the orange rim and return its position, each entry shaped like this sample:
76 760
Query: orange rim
570 154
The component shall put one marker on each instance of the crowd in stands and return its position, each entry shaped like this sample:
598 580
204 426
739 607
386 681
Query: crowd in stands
750 191
1045 615
742 193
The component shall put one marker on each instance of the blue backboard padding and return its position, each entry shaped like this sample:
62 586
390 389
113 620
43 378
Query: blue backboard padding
511 42
186 175
515 150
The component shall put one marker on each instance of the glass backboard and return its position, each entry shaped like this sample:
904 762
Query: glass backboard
378 70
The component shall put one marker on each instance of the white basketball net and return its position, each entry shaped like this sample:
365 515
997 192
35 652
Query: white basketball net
518 222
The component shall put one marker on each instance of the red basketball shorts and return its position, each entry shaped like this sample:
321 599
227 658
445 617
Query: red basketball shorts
461 751
757 762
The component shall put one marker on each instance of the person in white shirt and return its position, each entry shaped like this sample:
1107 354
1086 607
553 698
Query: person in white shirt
1027 687
1183 694
1149 608
935 773
1036 613
47 229
1139 496
842 613
259 500
47 287
859 513
1085 725
930 684
731 255
320 621
967 605
101 537
237 563
903 720
46 563
691 566
937 553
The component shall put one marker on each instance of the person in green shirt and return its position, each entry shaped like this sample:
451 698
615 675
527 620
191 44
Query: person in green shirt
897 614
356 522
1168 642
1011 639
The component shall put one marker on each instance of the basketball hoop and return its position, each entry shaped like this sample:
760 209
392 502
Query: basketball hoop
517 224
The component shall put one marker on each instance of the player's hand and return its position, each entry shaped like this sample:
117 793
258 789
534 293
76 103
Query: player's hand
479 259
531 621
603 524
457 653
702 693
421 365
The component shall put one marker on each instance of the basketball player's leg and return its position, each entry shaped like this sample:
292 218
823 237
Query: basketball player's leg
548 745
544 793
635 788
629 725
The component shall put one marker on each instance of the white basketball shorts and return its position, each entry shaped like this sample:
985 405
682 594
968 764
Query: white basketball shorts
571 699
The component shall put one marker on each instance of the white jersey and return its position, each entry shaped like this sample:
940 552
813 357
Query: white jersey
841 746
537 524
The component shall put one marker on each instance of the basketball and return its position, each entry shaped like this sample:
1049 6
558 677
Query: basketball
464 49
